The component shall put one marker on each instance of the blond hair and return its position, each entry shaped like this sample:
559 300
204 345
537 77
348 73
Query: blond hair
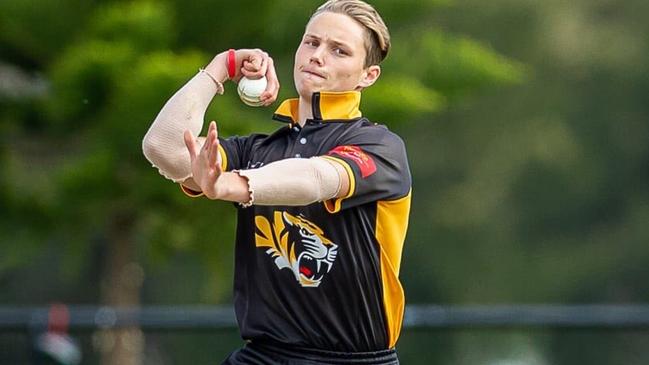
377 37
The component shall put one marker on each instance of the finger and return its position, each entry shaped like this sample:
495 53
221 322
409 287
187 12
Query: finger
214 143
255 67
209 140
218 143
271 92
208 147
214 146
263 67
272 88
190 143
257 59
248 66
253 63
253 75
214 150
271 75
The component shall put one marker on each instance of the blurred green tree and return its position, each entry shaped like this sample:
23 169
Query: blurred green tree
538 192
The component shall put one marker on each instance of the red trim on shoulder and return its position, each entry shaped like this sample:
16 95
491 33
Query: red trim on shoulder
363 160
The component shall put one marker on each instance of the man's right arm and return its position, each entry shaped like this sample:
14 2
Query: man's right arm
164 146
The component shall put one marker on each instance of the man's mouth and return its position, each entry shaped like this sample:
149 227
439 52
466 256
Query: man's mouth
313 73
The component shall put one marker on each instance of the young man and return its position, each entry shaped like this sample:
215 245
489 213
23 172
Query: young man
323 201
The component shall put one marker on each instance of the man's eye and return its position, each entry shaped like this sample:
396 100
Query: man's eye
340 51
312 43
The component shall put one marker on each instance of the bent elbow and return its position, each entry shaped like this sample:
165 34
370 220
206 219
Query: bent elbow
154 151
149 149
170 163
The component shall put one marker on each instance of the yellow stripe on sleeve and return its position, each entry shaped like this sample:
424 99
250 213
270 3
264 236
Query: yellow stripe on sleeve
334 205
224 158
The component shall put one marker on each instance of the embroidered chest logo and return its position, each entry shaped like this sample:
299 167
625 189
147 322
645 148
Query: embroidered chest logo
298 245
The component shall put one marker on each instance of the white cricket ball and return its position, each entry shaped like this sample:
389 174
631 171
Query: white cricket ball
250 90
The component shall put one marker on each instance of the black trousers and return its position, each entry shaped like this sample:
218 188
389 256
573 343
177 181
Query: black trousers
255 353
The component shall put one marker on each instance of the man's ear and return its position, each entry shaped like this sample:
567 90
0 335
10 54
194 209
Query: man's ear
369 77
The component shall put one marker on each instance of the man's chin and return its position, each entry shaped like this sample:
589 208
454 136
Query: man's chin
307 92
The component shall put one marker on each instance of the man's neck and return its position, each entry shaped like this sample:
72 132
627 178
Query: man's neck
305 111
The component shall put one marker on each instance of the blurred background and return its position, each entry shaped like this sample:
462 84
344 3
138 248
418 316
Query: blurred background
527 128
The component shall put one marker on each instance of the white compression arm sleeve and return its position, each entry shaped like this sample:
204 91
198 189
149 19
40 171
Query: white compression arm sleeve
163 145
293 181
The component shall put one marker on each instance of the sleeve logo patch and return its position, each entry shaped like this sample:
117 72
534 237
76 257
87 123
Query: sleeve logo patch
362 159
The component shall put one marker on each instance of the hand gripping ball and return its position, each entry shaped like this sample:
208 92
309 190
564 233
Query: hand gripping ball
250 90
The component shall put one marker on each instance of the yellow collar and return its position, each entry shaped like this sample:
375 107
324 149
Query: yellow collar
327 106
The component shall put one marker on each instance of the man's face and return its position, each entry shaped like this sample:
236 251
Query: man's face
331 56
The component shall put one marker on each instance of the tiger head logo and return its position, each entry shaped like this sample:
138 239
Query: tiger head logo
296 244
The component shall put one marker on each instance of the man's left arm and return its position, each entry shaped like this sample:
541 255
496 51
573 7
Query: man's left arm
296 181
374 168
293 181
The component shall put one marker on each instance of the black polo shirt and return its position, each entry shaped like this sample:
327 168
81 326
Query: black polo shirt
324 275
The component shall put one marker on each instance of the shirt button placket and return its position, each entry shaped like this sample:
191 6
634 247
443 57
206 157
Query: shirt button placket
298 149
302 142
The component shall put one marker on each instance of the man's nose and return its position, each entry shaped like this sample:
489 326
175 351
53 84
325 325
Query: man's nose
317 56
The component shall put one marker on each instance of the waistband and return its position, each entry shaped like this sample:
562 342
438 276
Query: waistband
382 357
